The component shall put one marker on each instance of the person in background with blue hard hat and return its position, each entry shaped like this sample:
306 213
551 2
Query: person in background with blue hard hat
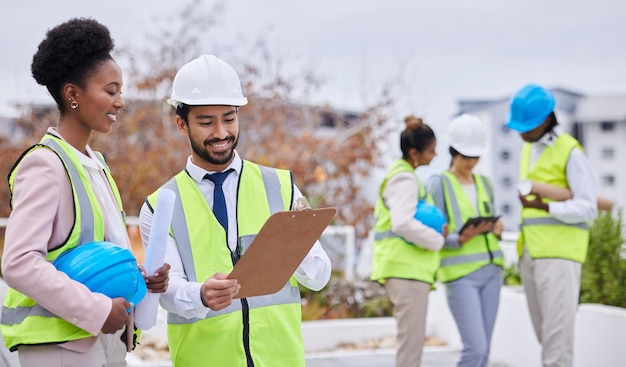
406 251
222 201
554 235
63 196
471 259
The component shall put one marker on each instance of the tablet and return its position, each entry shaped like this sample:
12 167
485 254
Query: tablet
476 220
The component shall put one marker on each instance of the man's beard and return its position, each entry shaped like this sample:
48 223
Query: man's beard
211 157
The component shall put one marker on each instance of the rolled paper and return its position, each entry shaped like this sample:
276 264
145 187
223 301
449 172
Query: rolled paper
528 187
525 187
146 311
551 191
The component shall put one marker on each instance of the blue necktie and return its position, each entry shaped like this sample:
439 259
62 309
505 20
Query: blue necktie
219 203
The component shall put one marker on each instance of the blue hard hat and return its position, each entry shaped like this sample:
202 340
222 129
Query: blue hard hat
430 216
529 108
105 268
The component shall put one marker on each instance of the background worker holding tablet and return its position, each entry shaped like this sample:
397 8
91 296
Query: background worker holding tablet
471 260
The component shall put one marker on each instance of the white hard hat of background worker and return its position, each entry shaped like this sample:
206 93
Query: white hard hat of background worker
207 80
468 136
529 108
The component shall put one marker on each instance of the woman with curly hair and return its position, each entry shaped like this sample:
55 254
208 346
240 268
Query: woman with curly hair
63 196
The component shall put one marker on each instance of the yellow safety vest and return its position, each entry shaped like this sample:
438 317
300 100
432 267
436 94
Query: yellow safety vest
393 256
24 322
478 251
259 331
543 235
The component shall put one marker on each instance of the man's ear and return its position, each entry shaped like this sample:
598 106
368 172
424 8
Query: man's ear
182 126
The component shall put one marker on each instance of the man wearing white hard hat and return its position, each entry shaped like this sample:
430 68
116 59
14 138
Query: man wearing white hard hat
224 200
554 235
471 259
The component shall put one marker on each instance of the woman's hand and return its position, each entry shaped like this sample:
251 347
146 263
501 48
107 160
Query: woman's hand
498 227
474 230
157 283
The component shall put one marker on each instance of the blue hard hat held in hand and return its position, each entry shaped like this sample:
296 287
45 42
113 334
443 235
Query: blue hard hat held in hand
105 268
430 216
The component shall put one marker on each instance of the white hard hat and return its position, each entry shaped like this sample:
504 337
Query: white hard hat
468 136
207 80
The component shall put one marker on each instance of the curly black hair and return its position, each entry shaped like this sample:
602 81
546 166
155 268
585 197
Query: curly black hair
71 52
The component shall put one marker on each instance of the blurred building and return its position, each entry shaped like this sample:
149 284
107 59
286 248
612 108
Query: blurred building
598 122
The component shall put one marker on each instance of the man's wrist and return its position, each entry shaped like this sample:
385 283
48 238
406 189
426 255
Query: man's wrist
203 297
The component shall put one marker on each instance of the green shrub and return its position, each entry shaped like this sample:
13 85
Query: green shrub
604 272
512 275
343 299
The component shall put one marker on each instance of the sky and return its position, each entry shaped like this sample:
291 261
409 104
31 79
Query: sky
434 52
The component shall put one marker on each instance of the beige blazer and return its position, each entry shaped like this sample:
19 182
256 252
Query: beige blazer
41 220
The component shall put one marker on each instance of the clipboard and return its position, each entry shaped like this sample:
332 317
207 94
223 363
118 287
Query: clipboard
278 249
477 220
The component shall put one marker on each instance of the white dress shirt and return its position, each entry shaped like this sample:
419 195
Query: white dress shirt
582 207
183 297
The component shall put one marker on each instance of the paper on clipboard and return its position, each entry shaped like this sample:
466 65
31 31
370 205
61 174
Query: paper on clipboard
278 249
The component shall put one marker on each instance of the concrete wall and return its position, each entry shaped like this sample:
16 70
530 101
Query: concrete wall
599 332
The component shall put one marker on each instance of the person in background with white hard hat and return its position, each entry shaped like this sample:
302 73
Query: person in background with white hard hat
471 259
406 251
224 201
554 235
63 196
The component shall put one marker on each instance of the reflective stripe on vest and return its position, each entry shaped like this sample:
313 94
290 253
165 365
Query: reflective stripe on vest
23 321
543 235
86 212
479 250
393 256
259 331
551 221
466 259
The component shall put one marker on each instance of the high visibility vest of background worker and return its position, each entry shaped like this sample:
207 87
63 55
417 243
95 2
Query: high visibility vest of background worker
63 196
405 252
554 235
471 261
206 326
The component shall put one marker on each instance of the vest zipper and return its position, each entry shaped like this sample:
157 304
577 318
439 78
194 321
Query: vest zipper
488 248
245 312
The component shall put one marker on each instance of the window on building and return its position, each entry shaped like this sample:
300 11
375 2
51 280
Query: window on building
505 155
607 126
608 153
608 180
506 208
506 182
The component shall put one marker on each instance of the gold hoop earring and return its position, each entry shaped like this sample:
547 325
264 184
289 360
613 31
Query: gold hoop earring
74 105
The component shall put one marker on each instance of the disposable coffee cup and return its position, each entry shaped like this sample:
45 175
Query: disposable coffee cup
525 187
